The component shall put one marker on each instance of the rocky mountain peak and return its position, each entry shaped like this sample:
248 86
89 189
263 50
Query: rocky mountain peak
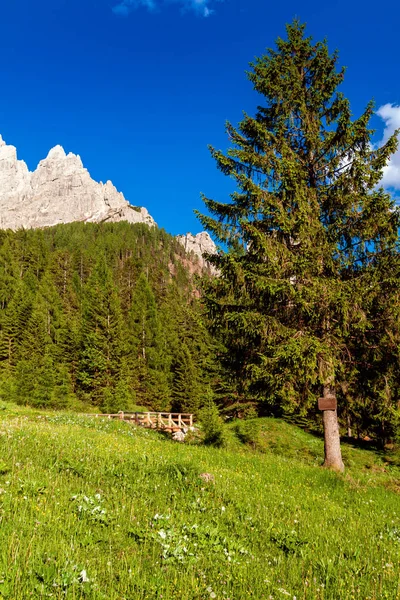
200 245
61 190
56 153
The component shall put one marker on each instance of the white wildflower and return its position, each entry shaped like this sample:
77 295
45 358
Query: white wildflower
83 578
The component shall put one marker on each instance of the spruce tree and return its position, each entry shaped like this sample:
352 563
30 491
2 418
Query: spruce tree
372 390
150 352
102 342
303 234
15 321
187 391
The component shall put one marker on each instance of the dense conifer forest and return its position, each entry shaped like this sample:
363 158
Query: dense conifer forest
109 317
101 315
306 300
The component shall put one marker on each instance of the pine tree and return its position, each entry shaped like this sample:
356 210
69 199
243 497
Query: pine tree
62 396
35 377
304 232
373 395
186 392
14 325
150 351
102 343
25 382
211 421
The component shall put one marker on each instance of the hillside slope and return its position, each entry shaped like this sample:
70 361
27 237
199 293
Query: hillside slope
97 509
102 314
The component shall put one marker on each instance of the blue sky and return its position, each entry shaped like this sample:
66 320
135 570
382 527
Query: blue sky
139 88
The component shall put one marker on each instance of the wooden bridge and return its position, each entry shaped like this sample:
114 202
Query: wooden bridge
170 422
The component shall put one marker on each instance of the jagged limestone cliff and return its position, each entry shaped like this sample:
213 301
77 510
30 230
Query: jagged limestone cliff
200 245
60 190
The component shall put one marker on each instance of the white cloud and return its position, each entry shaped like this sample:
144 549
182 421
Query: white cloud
199 7
390 113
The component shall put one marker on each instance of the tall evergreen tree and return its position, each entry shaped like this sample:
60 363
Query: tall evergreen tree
151 354
102 345
187 392
15 321
372 389
304 232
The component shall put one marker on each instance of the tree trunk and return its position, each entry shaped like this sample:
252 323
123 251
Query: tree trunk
349 430
333 453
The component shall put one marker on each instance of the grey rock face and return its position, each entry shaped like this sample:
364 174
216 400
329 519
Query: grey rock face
59 191
199 244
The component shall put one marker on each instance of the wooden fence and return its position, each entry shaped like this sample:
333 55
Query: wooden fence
154 420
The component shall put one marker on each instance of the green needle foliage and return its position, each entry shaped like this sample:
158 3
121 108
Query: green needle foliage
96 316
186 386
309 242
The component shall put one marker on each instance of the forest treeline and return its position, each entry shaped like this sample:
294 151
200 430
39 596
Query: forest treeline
104 315
109 316
306 301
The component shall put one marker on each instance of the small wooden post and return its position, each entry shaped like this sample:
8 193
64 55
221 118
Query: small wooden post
121 415
159 420
170 421
191 421
180 420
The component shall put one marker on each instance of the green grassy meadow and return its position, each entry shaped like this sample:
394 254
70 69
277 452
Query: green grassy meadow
96 509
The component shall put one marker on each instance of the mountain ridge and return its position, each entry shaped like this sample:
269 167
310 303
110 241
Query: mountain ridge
59 190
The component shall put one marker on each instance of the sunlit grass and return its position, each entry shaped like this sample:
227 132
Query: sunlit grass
98 509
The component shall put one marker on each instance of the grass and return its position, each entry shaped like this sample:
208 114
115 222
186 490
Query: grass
95 509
